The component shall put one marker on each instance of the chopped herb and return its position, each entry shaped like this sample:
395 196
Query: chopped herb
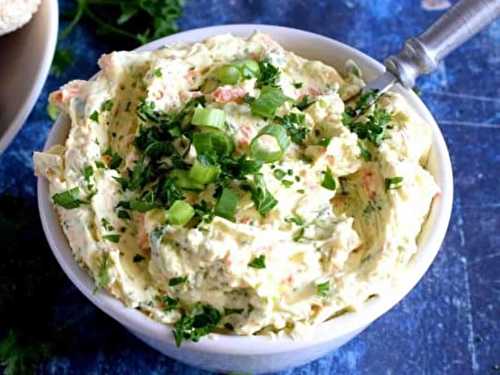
304 102
204 211
106 224
227 204
177 280
157 72
107 105
68 199
258 262
144 204
298 85
103 277
269 74
264 201
296 219
123 214
294 123
202 320
286 183
323 289
88 171
116 159
170 303
112 237
138 258
94 116
328 180
393 183
100 165
297 236
279 174
325 142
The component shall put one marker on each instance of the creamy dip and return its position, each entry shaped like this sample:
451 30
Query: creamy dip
227 185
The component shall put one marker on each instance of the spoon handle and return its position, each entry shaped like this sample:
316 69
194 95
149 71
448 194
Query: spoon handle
422 54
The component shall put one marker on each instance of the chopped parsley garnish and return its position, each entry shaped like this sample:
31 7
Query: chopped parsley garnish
115 160
373 128
103 277
88 172
123 214
286 183
328 180
298 85
106 224
94 116
170 303
393 183
258 262
157 72
323 289
325 142
295 219
199 322
269 74
279 174
138 258
100 165
264 201
115 238
107 105
294 123
68 199
177 280
304 102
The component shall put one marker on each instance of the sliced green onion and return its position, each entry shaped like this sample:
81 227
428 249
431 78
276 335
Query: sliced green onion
182 180
227 74
267 103
211 117
203 172
260 151
213 142
180 212
227 204
248 68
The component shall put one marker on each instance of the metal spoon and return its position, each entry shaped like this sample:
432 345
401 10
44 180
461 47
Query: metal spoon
422 54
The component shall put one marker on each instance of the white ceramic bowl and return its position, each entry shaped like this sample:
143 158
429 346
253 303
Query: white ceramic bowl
25 58
258 354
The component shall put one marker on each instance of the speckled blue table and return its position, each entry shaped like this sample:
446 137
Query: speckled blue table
450 323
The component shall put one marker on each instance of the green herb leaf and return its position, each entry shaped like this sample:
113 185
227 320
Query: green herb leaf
328 180
103 276
199 322
323 289
177 280
365 154
262 198
68 199
393 183
112 237
94 116
304 102
170 303
258 262
107 105
294 123
269 74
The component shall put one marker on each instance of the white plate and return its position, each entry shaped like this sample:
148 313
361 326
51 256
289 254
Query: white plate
25 58
257 354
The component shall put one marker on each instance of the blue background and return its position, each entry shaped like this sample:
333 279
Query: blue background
450 323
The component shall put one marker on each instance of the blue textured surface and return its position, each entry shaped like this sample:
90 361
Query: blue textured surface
450 323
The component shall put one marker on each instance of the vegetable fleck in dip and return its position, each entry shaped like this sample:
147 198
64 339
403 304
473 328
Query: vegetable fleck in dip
228 186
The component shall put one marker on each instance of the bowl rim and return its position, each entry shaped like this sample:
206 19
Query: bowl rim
41 76
254 345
